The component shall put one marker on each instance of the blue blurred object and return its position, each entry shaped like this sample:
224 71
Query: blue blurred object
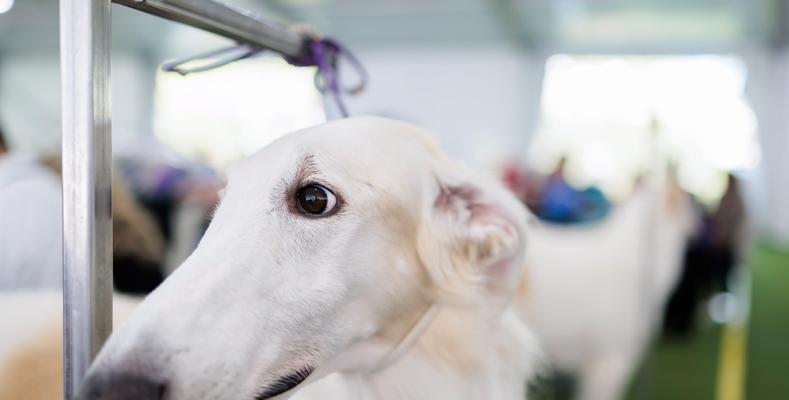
562 203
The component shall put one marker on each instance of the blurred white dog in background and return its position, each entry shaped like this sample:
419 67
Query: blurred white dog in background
596 293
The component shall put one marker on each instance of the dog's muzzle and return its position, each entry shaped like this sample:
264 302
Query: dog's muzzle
120 386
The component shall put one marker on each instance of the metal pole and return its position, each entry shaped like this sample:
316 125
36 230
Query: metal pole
87 214
227 21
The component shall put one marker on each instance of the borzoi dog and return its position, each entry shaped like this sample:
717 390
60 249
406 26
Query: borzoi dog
596 293
353 249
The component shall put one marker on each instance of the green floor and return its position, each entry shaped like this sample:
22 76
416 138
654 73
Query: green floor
688 369
680 369
768 341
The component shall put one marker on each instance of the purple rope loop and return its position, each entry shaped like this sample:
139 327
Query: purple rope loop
325 54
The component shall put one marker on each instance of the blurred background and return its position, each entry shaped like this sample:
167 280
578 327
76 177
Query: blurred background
576 104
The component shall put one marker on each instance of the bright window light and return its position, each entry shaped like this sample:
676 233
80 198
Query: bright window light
5 6
220 116
612 116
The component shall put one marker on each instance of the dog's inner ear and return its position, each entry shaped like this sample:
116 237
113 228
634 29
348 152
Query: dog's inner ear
469 240
484 232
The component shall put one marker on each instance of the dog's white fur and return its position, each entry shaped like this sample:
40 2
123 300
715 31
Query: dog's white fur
584 291
31 357
31 342
269 291
596 293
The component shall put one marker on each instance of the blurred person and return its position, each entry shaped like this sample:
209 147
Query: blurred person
525 184
137 244
553 199
30 222
564 204
729 224
712 254
559 201
180 194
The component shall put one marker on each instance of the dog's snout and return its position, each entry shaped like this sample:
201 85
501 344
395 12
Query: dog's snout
121 386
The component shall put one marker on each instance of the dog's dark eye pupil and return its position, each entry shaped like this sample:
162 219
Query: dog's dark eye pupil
313 199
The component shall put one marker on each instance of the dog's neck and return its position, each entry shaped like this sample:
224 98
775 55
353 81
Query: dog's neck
461 355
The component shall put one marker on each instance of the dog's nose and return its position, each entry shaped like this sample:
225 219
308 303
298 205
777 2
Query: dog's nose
121 386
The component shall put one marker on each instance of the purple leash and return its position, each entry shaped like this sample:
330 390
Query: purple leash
325 54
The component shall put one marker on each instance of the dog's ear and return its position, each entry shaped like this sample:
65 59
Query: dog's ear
471 240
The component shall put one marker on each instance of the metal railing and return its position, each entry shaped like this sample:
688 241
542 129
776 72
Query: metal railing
226 21
87 152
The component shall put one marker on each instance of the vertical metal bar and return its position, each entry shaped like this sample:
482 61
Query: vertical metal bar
87 215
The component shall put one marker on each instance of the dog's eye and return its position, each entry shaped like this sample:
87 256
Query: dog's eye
315 200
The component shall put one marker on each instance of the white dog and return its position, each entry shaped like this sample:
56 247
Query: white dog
596 293
31 342
354 248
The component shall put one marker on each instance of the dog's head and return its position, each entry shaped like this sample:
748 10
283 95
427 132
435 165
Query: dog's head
323 241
